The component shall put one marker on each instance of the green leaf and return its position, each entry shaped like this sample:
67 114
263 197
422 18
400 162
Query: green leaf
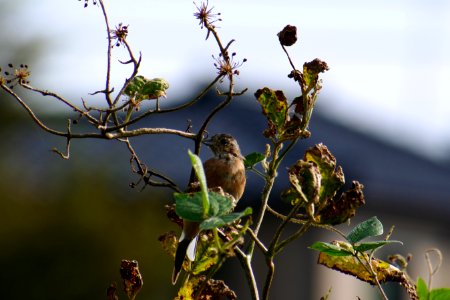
330 249
220 221
253 158
155 88
198 167
274 106
219 204
374 245
206 256
135 86
141 88
368 228
440 294
422 289
189 206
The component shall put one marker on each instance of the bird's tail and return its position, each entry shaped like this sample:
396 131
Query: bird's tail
186 247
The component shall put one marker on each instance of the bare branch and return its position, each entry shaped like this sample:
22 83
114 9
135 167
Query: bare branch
67 155
31 113
143 131
108 68
63 100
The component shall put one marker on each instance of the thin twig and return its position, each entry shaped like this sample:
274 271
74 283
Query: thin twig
32 114
269 278
143 131
63 100
257 241
292 237
180 107
370 269
67 155
293 67
136 64
108 62
246 265
283 217
431 270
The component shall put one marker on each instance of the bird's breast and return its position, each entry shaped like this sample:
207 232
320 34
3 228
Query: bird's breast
227 173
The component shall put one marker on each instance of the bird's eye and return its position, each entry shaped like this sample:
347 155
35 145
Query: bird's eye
224 141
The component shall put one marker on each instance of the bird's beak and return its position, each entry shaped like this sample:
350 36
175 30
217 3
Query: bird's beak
207 142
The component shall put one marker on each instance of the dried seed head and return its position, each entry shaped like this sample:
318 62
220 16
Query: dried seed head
288 36
316 66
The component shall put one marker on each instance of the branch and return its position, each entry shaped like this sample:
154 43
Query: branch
246 265
63 100
31 113
136 64
108 61
143 131
65 156
149 112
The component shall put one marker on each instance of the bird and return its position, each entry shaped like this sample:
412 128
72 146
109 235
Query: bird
225 170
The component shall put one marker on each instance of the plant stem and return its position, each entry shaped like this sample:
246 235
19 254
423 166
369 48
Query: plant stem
269 277
245 261
369 268
293 237
270 180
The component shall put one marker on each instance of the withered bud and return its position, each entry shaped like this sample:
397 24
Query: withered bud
316 66
131 276
296 74
288 36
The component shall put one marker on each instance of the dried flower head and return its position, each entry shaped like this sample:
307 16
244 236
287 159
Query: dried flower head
119 34
227 66
206 17
15 76
316 66
288 36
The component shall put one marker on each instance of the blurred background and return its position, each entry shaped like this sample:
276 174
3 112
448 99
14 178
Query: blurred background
383 112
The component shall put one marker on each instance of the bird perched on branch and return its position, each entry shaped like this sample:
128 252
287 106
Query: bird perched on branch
225 170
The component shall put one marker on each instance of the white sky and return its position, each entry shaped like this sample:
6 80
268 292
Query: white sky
389 60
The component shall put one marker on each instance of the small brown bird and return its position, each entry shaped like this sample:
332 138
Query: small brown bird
226 170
